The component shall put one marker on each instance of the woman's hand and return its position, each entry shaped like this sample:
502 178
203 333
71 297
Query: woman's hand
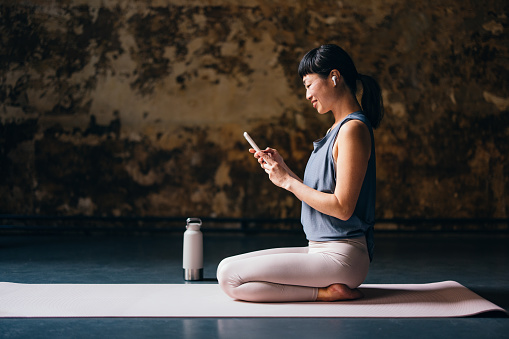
273 164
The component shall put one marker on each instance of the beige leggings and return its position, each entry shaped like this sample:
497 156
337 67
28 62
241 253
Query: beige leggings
295 273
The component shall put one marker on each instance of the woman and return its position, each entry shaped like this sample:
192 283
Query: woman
337 194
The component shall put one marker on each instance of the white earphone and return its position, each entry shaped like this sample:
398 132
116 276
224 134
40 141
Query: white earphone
334 79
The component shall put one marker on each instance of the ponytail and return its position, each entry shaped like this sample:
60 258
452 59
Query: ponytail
371 102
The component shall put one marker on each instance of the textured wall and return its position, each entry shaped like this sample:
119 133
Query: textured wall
120 108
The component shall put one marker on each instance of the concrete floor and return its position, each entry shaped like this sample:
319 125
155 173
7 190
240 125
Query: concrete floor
480 262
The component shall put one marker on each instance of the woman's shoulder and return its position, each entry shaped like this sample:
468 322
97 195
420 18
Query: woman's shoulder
354 134
354 127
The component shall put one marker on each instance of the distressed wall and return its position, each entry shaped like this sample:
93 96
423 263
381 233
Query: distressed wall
137 108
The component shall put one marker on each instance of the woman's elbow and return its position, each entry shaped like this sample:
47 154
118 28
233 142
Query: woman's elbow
344 211
344 215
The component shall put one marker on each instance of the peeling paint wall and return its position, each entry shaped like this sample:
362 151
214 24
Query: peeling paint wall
122 108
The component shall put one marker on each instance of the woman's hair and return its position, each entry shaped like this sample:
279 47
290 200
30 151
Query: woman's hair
322 60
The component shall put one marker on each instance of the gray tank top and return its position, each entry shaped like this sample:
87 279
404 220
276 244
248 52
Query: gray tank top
320 174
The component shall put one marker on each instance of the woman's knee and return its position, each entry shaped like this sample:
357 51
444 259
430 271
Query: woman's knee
220 268
221 265
223 271
227 278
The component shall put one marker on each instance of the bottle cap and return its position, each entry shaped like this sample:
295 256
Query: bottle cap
193 221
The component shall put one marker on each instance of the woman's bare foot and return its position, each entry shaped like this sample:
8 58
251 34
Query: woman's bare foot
337 292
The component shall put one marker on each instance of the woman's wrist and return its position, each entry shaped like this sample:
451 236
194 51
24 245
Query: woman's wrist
289 183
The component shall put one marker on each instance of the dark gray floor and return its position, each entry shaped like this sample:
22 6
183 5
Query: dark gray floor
478 262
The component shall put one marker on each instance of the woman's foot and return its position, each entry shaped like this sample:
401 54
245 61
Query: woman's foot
336 292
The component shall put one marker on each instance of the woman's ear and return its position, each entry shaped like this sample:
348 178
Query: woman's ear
334 74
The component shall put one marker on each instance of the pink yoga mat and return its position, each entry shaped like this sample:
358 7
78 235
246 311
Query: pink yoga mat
441 299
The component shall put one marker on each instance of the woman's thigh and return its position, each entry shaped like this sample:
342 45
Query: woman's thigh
260 253
337 263
287 268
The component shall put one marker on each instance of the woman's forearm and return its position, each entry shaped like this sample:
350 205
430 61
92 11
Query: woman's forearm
326 203
292 174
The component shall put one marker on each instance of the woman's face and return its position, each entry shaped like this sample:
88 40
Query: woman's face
319 91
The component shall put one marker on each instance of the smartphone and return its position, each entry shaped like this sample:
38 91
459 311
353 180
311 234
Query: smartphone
251 142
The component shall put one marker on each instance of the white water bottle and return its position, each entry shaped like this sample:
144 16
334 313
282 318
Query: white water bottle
193 250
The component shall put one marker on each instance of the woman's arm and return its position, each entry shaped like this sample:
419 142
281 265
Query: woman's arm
352 150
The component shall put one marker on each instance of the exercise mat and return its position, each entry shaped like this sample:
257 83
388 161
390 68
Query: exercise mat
440 299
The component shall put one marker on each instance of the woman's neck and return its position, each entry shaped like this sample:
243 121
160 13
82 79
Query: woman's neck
347 105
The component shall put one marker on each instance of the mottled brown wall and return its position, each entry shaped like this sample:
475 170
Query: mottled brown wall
137 108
